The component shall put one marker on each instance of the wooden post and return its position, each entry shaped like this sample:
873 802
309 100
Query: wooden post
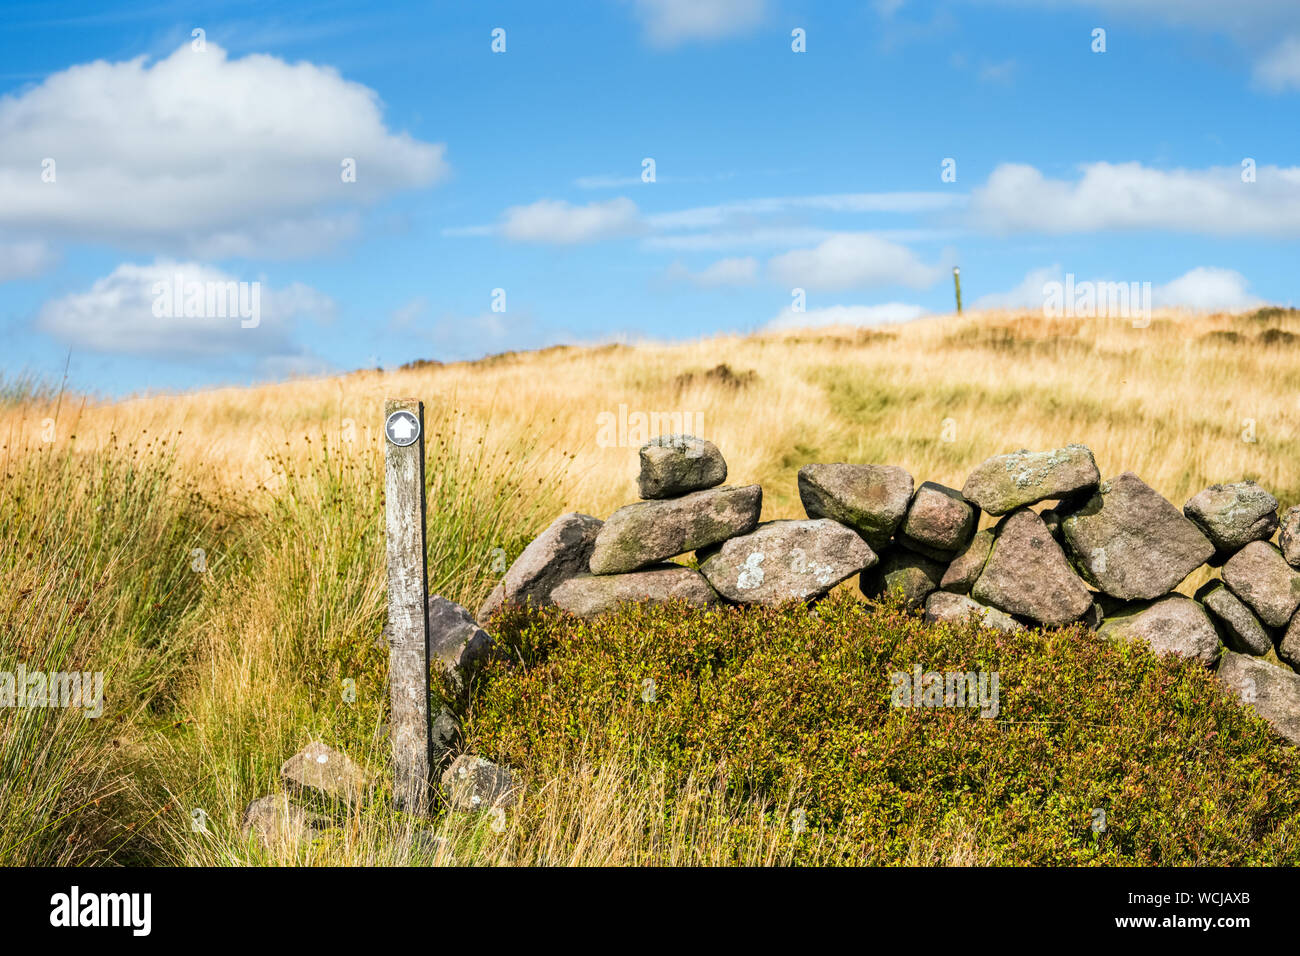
956 281
408 655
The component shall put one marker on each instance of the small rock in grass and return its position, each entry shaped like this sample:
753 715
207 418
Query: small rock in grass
326 770
946 606
476 783
277 823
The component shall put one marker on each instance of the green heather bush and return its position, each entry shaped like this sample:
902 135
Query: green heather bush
797 701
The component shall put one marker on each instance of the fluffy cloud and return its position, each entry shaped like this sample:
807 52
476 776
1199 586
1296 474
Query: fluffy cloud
1280 69
853 315
202 154
1019 198
554 220
25 259
853 260
669 23
119 314
1207 289
724 272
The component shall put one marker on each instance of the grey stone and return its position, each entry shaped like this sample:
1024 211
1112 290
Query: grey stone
476 783
588 595
278 824
1273 691
955 608
1131 543
456 642
647 532
902 573
1232 516
1289 537
1027 574
965 569
555 555
1006 482
325 770
939 521
1172 625
1237 624
870 499
1260 576
673 465
1288 649
786 561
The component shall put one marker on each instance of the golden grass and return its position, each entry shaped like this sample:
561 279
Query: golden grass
1171 402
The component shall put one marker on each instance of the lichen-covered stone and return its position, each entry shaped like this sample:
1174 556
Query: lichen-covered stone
673 465
939 521
1006 482
647 532
1234 515
1172 625
786 561
558 553
1273 691
1131 543
965 569
588 595
1027 574
1237 624
1261 577
870 499
905 574
955 608
1288 538
476 783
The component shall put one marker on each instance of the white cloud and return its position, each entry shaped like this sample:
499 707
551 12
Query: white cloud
25 259
852 315
724 272
744 210
201 154
853 260
1280 69
1207 289
1027 295
1215 201
669 23
554 220
117 315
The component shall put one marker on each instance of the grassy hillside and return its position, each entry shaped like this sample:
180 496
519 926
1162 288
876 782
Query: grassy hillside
215 675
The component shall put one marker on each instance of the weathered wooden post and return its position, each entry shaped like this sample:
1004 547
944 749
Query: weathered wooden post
956 281
408 652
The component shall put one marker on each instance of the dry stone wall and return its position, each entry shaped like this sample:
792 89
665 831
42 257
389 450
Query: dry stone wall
1108 554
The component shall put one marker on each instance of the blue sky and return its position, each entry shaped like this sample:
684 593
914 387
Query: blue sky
522 171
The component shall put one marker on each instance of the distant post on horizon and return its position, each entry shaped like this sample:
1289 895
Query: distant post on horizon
956 281
410 728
